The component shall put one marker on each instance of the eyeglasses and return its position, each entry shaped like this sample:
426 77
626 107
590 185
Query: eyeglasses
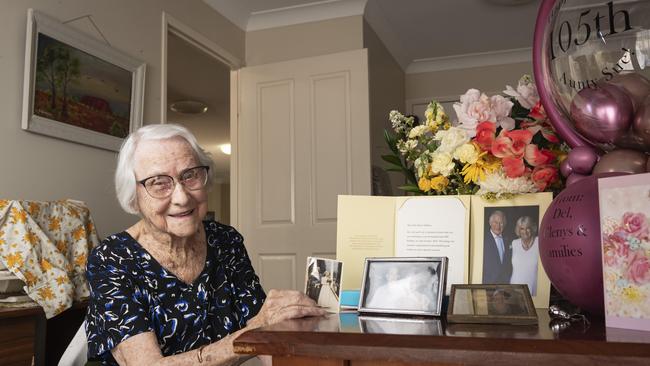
162 186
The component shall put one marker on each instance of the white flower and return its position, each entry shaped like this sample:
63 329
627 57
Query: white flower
396 118
475 107
526 93
441 163
499 184
407 146
420 165
418 131
451 139
466 154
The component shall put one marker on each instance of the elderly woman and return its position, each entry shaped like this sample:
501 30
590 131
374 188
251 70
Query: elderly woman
525 254
172 289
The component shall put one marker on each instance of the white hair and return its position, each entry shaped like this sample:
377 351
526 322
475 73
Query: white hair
125 183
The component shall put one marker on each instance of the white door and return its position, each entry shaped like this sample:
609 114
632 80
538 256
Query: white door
301 139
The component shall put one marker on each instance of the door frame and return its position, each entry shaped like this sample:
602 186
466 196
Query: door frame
191 36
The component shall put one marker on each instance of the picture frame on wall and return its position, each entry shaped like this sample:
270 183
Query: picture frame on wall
407 286
77 88
491 304
505 237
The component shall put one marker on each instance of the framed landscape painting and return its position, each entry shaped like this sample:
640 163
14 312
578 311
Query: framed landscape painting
77 88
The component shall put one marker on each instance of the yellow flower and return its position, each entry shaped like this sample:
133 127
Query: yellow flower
18 216
62 246
439 183
483 165
3 204
55 224
466 153
633 294
61 280
33 208
30 238
14 260
424 184
80 260
45 293
30 278
78 233
46 265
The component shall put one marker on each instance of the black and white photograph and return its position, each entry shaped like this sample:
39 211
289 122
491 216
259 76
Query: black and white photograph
510 249
323 283
403 285
510 304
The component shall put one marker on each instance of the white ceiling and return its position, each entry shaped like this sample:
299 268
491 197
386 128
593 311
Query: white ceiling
421 34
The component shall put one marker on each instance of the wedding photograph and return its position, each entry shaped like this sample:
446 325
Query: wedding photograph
403 285
323 282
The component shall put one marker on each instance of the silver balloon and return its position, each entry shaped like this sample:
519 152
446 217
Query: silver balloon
622 161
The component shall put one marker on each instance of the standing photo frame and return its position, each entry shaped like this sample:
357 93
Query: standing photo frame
491 304
77 88
407 286
323 282
515 260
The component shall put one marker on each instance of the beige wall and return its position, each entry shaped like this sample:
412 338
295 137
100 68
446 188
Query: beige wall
387 92
488 79
304 40
43 168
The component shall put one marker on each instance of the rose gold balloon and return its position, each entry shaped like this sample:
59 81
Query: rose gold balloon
641 123
602 114
622 161
635 85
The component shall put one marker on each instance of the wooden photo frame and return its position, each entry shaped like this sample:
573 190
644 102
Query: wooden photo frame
408 286
518 260
77 88
491 304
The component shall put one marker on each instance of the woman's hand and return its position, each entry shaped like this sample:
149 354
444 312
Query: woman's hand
282 305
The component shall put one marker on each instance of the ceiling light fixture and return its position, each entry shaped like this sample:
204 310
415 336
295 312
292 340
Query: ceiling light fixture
188 107
225 148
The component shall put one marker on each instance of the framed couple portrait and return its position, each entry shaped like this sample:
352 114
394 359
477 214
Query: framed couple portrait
407 286
505 244
491 304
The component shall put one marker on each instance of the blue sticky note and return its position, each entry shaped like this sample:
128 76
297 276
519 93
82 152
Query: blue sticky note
350 298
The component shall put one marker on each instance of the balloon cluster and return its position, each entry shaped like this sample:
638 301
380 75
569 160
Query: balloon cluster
614 116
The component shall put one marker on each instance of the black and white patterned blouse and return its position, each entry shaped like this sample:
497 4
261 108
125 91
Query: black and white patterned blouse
131 293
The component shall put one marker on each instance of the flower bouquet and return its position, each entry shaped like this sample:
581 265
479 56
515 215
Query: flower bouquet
500 146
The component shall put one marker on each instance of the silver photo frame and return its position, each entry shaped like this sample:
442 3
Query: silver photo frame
407 286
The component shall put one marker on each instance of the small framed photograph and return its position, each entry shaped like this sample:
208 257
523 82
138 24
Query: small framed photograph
395 325
323 282
505 238
409 286
78 88
491 304
625 230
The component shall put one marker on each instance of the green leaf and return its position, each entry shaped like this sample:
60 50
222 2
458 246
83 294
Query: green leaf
411 188
392 159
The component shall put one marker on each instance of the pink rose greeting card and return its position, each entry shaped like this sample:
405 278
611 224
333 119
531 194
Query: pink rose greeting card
625 228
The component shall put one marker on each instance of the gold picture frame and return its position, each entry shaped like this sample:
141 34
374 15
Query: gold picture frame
486 267
491 304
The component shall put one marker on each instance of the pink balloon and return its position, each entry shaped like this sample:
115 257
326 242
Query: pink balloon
565 168
575 177
602 114
569 245
622 161
635 85
641 123
582 159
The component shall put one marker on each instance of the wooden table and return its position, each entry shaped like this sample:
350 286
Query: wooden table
350 340
26 335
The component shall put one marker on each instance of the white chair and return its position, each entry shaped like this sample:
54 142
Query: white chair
77 352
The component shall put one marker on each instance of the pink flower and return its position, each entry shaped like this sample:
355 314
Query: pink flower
537 112
513 167
620 246
636 224
543 176
511 143
638 270
534 156
485 135
475 107
610 258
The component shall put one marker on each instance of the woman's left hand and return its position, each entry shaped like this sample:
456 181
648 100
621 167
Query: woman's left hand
285 304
